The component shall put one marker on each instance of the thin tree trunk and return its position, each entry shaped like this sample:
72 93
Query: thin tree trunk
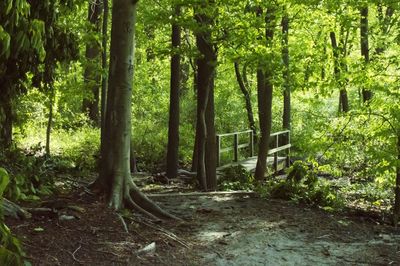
246 93
265 92
286 119
366 93
92 75
50 119
173 128
344 103
396 209
6 119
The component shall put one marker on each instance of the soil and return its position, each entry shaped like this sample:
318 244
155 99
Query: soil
217 229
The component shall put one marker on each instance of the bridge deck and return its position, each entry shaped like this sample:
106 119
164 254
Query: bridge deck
250 163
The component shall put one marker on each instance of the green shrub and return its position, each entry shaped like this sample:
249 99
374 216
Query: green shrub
303 185
236 178
10 248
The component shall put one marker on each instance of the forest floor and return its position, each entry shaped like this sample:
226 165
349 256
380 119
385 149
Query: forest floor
218 229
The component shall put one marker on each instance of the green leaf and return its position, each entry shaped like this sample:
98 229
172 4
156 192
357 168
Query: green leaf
4 180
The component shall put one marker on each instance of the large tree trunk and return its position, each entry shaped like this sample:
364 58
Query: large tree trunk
343 99
206 64
366 93
286 118
115 179
173 127
92 75
265 91
246 94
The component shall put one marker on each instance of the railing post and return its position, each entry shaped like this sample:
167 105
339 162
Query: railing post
251 144
276 153
288 150
218 139
235 147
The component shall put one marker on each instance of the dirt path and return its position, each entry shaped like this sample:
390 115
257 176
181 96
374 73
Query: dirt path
241 230
219 230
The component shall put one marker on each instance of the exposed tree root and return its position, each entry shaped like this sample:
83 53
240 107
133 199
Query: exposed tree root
125 194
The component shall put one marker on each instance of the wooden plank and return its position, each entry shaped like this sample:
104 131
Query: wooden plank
233 133
280 133
281 148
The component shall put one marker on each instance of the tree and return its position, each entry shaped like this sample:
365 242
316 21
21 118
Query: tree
173 127
265 74
19 54
286 118
206 65
115 180
338 68
92 74
366 93
247 97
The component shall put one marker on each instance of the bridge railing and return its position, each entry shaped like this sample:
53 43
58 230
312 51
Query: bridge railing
279 142
236 145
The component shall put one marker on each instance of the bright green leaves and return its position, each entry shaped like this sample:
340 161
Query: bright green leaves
37 31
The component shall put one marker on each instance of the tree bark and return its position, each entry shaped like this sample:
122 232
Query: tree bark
343 99
50 119
205 134
173 127
92 74
286 118
396 209
246 94
115 180
6 118
211 145
366 93
265 92
104 64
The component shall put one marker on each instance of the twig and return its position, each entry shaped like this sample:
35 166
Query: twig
73 254
123 223
165 232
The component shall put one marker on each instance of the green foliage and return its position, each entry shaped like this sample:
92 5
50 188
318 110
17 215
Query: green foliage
236 178
10 248
303 185
31 173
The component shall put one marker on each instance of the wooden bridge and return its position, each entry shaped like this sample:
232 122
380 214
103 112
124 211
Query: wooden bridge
242 145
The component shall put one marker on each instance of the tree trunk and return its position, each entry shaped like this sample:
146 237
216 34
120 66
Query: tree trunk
104 65
265 91
246 93
211 144
396 209
366 93
173 127
6 118
286 119
92 74
115 180
343 99
50 119
206 64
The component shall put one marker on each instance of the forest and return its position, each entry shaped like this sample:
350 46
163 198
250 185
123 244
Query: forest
199 132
